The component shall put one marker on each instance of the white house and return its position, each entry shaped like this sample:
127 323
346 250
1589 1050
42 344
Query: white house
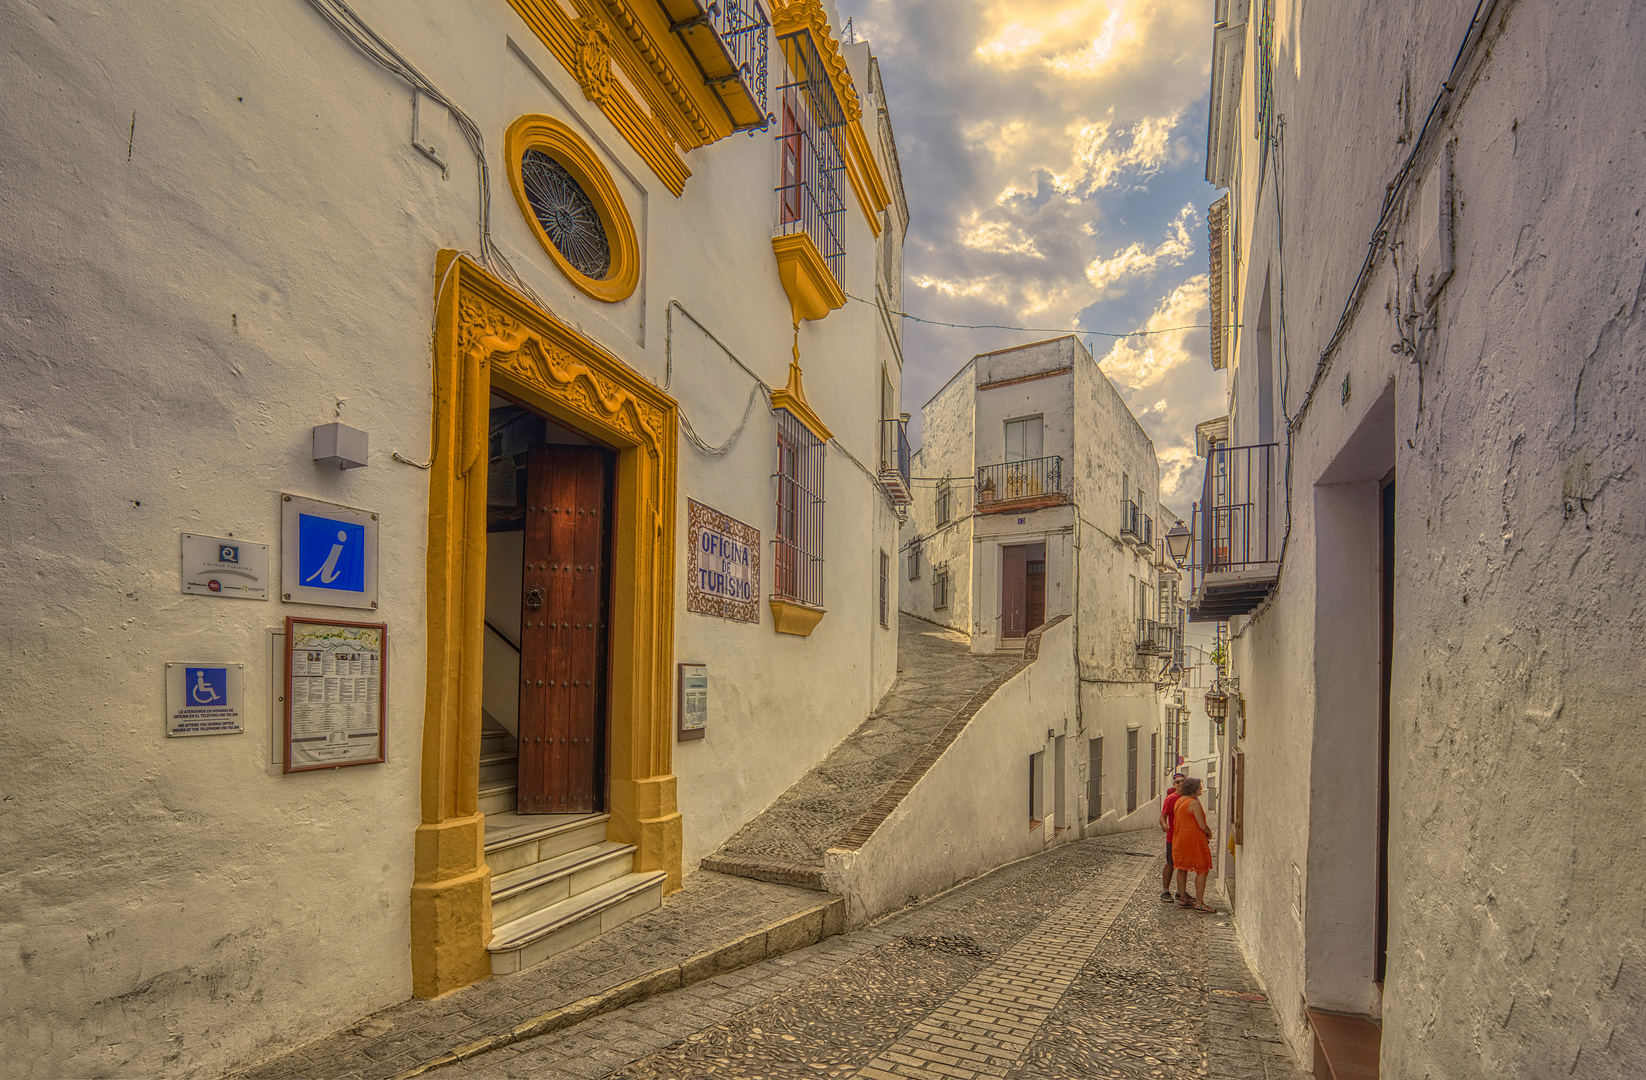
1035 497
540 309
1421 520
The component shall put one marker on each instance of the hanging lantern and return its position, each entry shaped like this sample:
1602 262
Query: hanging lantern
1217 707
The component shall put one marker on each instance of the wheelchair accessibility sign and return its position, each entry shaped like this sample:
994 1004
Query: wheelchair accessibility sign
328 554
204 699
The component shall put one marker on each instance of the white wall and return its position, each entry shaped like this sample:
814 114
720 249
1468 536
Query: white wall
1509 840
970 812
217 235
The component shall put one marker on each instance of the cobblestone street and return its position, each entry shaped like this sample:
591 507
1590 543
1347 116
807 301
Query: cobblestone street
1064 965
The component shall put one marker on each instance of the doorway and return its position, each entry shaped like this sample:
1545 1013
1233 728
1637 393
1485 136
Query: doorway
548 596
1022 589
1386 559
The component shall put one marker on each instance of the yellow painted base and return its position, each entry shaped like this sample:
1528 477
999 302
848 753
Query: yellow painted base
797 619
813 292
451 911
643 813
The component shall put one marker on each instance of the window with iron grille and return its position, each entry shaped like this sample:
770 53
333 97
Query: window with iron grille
1131 770
940 587
914 559
943 499
885 589
1094 779
809 193
798 543
1154 764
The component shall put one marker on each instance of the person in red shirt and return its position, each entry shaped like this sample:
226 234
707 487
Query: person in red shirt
1166 827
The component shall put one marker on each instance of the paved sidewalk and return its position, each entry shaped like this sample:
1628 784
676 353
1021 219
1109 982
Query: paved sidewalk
1063 965
938 680
713 925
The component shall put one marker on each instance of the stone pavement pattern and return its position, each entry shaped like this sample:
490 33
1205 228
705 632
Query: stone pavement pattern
1069 958
713 917
937 678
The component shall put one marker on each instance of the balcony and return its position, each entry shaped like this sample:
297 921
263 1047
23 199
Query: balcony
1131 522
1016 486
727 40
1238 527
894 460
1155 638
1145 535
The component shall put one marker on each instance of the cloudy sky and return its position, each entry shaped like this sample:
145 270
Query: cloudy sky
1053 157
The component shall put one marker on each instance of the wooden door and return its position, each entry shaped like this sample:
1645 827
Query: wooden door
1034 603
1014 587
563 632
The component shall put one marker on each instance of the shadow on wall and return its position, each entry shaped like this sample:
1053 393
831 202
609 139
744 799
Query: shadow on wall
967 814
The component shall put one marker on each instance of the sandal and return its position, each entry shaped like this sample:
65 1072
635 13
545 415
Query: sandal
1185 903
1200 907
1166 897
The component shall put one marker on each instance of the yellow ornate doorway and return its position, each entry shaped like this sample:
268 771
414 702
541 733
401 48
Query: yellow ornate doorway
487 337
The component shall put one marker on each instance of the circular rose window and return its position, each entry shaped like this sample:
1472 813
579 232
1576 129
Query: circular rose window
567 214
575 210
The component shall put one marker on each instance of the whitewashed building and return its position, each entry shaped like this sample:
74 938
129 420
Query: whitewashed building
540 309
1421 520
1035 498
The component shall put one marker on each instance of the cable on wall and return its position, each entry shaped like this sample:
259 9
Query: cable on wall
368 41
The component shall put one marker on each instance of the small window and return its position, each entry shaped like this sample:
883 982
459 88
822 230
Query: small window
940 587
1025 438
914 559
798 545
1037 812
1094 779
1131 770
943 493
885 588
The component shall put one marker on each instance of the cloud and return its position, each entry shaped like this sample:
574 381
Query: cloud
1109 276
1143 361
1049 149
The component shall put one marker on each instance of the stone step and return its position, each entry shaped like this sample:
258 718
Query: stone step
518 893
500 765
497 796
534 938
517 840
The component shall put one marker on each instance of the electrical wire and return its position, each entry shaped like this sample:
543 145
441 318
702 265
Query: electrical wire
360 34
1393 194
1033 329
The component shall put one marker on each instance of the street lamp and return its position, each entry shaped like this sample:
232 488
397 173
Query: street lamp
1177 541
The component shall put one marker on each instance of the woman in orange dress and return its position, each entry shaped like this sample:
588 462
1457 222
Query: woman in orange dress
1190 851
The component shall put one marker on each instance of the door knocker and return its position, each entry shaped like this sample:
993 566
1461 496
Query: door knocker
534 597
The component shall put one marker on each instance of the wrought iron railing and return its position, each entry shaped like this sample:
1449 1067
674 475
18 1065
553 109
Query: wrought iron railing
729 42
894 450
1131 524
1238 521
1154 638
810 198
741 25
1015 481
797 546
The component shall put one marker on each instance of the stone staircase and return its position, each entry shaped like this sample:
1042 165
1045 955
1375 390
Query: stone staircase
844 798
557 881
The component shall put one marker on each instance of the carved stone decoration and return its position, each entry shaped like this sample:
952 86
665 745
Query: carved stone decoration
594 59
488 335
791 15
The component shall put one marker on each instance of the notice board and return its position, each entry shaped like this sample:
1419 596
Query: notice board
336 710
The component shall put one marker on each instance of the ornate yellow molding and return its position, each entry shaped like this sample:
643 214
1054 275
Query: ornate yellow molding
487 338
792 398
791 618
868 183
535 131
677 110
812 290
